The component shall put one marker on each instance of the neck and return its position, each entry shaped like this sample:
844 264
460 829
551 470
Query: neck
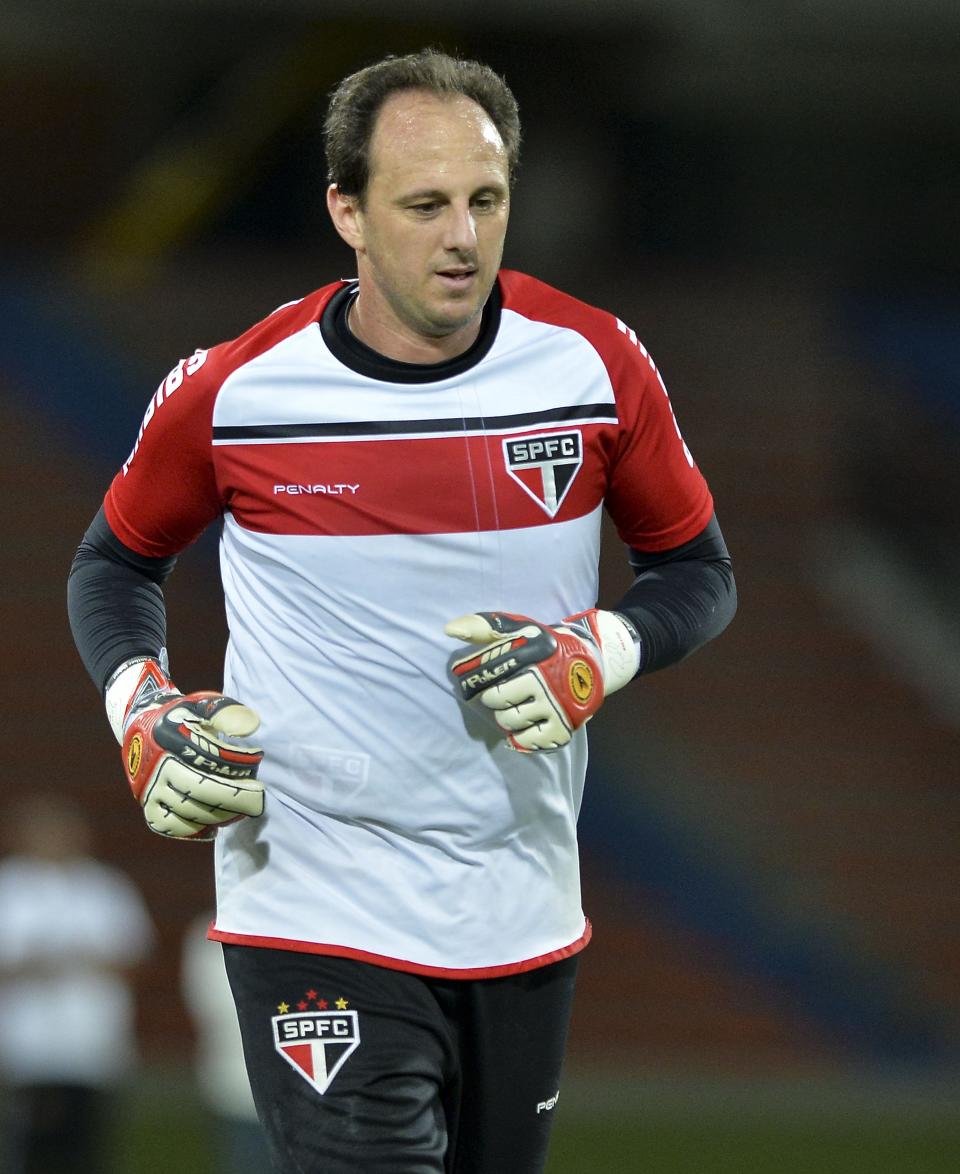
393 341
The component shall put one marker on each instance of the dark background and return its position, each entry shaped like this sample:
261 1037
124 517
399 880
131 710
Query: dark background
766 193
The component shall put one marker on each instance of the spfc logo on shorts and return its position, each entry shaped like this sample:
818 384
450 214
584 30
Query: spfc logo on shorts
317 1043
544 465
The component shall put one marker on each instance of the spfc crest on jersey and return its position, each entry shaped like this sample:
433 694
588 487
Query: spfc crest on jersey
317 1044
544 465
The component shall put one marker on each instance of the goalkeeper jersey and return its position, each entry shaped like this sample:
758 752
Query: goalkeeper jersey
364 503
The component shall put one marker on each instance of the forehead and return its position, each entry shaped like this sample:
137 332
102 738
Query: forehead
417 131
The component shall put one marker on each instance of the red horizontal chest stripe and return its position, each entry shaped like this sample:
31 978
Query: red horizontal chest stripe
417 485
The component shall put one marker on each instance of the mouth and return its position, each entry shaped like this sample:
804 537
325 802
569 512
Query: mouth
457 277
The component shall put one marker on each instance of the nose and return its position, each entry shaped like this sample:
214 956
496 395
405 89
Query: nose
461 228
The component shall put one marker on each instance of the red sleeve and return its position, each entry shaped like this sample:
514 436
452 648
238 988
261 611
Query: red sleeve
656 496
165 494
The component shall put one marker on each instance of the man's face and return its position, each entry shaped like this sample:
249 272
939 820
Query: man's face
429 234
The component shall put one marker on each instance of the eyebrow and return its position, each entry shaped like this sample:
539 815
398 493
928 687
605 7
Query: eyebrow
437 194
422 194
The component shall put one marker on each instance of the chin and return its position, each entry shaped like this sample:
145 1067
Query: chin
457 315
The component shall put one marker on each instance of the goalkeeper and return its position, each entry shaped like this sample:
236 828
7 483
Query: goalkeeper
409 470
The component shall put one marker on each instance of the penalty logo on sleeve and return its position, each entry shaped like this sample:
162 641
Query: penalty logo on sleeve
316 1043
544 465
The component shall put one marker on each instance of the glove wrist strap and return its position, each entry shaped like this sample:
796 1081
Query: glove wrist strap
620 647
132 684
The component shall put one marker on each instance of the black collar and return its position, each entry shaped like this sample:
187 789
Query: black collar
356 355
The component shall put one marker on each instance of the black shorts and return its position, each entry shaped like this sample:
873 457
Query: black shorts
357 1069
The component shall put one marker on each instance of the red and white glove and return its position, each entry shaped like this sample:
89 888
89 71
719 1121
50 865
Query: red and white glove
542 682
181 754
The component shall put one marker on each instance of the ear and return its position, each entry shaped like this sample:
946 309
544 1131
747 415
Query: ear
346 216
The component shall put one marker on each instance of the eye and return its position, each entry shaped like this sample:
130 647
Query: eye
486 203
427 208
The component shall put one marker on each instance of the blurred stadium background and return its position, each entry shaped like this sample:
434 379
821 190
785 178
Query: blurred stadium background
767 193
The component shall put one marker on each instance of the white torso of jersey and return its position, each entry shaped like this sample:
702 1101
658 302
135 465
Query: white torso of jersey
399 823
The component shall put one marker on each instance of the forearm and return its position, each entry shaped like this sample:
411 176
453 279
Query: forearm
680 599
115 603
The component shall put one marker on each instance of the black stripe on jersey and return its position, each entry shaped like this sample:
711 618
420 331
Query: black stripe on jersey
607 411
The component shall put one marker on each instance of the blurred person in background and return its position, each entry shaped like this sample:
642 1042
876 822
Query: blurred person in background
401 462
238 1140
71 931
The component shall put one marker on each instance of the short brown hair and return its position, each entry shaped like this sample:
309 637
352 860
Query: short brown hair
356 102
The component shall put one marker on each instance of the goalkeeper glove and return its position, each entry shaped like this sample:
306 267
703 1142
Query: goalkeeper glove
541 682
180 755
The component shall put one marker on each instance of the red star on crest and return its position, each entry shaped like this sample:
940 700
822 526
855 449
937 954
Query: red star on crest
322 1004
